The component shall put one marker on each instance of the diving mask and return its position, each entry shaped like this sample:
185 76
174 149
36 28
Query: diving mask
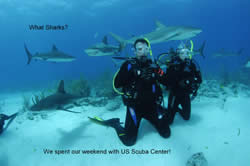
184 53
142 49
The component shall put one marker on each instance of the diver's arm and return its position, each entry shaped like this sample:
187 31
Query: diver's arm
198 76
125 75
13 115
196 71
197 80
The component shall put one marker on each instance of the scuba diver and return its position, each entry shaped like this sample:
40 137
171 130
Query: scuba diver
140 80
183 78
3 118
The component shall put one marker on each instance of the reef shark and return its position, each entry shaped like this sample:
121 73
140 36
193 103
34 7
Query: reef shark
225 53
104 49
163 33
53 56
56 100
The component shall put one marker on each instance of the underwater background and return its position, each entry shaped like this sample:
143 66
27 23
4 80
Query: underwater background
219 126
225 24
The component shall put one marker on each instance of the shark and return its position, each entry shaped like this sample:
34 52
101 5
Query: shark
52 56
163 33
225 53
56 100
104 49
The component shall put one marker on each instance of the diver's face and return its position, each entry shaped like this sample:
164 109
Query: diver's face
141 50
183 54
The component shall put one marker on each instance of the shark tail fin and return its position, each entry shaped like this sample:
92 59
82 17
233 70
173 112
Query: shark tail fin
11 118
28 54
122 41
61 87
13 115
202 49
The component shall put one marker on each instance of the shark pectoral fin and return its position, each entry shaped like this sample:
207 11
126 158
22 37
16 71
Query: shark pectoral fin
13 115
63 109
59 107
71 111
77 104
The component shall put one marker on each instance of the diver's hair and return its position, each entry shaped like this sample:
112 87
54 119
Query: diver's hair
141 40
183 45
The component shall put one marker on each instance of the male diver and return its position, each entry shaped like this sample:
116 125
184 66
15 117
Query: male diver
183 79
140 80
4 118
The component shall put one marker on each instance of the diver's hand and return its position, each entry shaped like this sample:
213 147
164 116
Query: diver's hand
153 66
193 96
150 73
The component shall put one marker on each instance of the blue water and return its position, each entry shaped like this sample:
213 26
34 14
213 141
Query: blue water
225 24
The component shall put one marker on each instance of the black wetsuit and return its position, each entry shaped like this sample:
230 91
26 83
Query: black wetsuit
183 80
144 100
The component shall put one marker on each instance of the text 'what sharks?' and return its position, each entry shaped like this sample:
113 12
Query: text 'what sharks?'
48 27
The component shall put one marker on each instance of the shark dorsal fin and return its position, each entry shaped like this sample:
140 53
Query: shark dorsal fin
159 25
222 50
61 87
105 40
54 48
240 51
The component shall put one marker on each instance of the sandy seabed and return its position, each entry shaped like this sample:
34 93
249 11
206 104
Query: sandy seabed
218 128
